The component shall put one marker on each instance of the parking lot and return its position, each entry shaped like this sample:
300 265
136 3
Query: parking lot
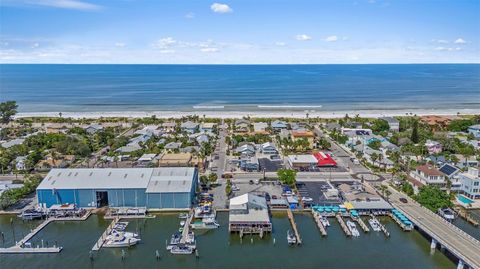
269 165
315 190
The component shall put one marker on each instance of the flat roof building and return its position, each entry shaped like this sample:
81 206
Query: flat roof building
249 214
153 188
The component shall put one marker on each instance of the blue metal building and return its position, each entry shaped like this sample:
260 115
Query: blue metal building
153 188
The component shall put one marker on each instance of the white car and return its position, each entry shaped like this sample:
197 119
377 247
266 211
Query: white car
307 199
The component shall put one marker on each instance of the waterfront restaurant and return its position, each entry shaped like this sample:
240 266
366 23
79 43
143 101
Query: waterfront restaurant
151 188
249 215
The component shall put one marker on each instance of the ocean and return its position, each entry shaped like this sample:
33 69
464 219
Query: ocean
103 88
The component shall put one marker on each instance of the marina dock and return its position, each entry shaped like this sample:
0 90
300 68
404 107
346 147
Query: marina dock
343 225
362 224
382 227
316 217
186 227
103 237
294 226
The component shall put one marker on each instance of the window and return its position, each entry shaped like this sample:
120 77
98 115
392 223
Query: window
476 183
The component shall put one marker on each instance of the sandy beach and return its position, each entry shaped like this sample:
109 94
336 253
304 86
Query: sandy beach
254 114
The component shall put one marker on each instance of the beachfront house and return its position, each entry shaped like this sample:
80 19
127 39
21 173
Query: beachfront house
93 129
470 181
393 123
189 127
429 175
248 214
242 126
260 127
278 125
168 127
433 147
474 130
150 130
207 127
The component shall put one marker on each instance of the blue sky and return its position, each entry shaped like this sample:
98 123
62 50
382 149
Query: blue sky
239 31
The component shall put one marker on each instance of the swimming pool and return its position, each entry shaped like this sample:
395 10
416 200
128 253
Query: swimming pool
464 199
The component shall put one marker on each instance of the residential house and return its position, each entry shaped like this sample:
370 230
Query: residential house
382 159
433 147
308 135
260 127
190 149
449 170
268 148
168 127
146 159
129 148
173 145
242 126
189 127
474 130
200 138
435 121
437 160
299 126
249 164
14 142
93 129
142 138
333 126
464 162
247 149
20 163
207 127
429 175
393 123
278 125
150 130
470 183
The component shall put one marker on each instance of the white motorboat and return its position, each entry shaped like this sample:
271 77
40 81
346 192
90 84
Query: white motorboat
126 234
324 221
182 223
176 240
205 224
291 238
181 249
447 213
118 240
353 228
375 224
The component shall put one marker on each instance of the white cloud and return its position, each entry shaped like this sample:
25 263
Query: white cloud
119 44
190 15
331 38
64 4
280 44
35 45
164 43
221 8
166 51
442 41
460 41
303 37
209 50
447 48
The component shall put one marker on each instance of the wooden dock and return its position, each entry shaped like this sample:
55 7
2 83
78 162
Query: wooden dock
463 213
343 225
103 237
294 226
316 217
362 224
382 227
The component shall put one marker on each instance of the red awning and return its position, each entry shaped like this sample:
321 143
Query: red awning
324 159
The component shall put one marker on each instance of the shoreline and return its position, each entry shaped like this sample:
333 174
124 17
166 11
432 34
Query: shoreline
253 114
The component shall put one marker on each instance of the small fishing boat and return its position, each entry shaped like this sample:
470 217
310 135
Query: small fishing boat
353 228
447 213
375 224
325 221
291 239
181 249
205 224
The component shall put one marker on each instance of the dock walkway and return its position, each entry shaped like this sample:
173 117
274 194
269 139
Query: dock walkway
343 225
294 226
362 224
316 217
103 237
186 227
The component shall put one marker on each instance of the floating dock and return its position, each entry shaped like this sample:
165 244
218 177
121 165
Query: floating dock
103 237
343 225
294 226
186 227
316 217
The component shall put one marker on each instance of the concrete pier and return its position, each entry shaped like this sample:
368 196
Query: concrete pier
343 225
294 226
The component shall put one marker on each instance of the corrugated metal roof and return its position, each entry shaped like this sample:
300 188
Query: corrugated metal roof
174 179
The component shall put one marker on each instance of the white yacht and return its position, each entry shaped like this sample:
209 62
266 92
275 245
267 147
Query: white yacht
353 228
447 213
375 224
291 239
181 249
126 234
205 224
176 239
118 240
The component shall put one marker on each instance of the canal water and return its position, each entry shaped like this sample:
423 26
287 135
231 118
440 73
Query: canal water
467 227
218 249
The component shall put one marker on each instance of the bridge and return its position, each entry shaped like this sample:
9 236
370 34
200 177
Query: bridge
460 244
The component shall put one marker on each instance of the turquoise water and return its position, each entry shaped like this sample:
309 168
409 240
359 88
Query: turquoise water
91 88
219 249
464 199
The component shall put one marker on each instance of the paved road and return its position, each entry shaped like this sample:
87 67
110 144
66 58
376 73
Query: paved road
455 240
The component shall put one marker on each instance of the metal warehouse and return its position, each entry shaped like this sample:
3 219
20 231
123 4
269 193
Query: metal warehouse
153 188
